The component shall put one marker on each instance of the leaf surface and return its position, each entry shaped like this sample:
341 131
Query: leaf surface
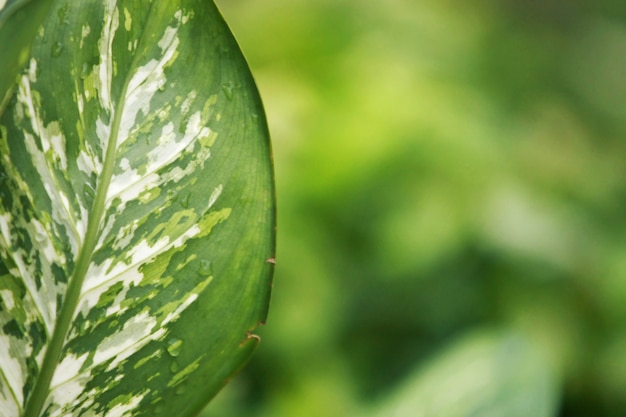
19 20
136 213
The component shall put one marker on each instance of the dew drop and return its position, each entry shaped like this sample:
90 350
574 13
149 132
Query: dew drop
185 201
56 49
228 89
180 389
174 346
174 367
224 49
205 269
172 195
84 71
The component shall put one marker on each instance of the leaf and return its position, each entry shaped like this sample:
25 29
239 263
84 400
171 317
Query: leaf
19 20
485 374
136 213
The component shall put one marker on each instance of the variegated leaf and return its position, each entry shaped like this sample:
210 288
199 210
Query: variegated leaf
19 20
136 213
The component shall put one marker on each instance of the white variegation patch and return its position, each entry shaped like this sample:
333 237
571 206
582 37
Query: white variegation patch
32 70
85 31
12 371
105 69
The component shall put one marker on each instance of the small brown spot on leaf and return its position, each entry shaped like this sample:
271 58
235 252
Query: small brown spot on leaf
249 336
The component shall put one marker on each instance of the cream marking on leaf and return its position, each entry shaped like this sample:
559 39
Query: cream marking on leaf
11 369
181 375
5 229
7 298
105 68
136 333
9 404
80 102
32 70
141 362
62 215
92 293
72 365
72 388
140 253
215 195
128 20
129 184
45 296
45 301
101 277
87 164
186 105
103 132
123 410
146 81
125 235
86 30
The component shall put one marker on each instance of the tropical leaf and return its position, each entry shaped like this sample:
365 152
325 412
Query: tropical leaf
19 20
486 374
136 213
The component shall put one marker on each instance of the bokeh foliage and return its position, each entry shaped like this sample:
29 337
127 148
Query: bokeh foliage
441 167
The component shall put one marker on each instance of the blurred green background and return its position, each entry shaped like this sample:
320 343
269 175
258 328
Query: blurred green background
452 198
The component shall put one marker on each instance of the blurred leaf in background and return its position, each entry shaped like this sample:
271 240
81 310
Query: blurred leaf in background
441 167
485 374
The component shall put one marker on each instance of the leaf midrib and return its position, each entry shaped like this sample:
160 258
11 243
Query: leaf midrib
41 389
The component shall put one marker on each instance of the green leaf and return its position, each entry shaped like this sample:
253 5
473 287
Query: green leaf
136 213
485 374
19 21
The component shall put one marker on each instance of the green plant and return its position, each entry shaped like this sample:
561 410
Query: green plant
136 208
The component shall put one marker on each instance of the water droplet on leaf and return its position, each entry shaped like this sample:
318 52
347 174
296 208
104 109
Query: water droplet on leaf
184 201
174 367
174 346
84 71
172 195
228 89
56 49
205 269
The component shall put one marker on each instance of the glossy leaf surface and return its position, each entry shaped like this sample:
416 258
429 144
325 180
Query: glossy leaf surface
136 213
